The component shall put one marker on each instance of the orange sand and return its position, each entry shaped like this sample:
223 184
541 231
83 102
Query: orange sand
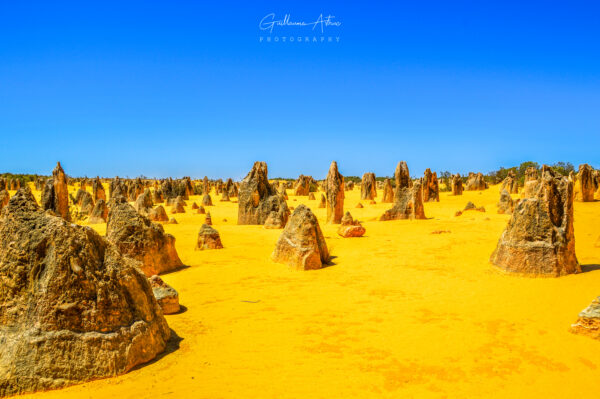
402 313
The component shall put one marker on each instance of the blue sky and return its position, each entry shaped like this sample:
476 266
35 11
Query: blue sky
187 88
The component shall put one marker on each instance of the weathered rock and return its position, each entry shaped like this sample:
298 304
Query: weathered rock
172 221
139 238
359 205
349 186
510 183
72 308
408 198
302 186
158 214
208 238
475 182
143 203
457 185
506 205
311 196
178 205
257 198
472 207
539 238
87 204
201 210
431 187
157 197
208 219
225 196
99 213
588 321
367 187
55 196
388 192
585 183
4 197
166 296
350 227
206 200
531 173
301 244
334 190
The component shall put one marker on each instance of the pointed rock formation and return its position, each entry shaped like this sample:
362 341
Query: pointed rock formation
388 192
457 185
143 203
98 190
178 205
99 213
322 202
539 238
510 183
201 210
302 186
257 198
4 197
506 204
431 187
588 321
72 308
206 200
55 196
334 189
158 214
367 187
139 238
586 183
208 238
408 198
208 219
301 244
350 227
476 182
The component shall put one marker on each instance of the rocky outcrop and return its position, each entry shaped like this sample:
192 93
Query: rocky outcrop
334 189
158 214
178 205
208 219
350 227
143 203
588 321
55 196
367 187
139 238
457 185
206 200
510 183
408 198
475 182
257 198
349 186
388 192
72 307
506 204
302 186
4 197
539 238
98 190
431 187
201 210
166 296
208 238
322 202
301 244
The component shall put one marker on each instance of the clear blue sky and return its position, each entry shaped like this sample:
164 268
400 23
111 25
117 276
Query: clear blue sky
187 88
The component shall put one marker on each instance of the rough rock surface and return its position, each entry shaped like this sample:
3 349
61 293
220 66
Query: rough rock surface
510 183
457 185
4 197
139 238
322 202
539 238
143 203
350 227
506 204
72 308
586 183
388 192
208 238
334 189
301 244
206 200
201 210
408 198
166 296
158 214
302 186
208 219
178 205
99 213
431 187
368 189
55 196
257 198
98 189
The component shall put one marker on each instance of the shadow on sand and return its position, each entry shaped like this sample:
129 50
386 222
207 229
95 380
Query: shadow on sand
172 346
589 268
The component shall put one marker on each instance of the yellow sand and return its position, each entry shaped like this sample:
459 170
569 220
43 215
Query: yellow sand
402 313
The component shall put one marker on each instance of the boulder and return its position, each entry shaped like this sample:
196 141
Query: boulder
457 185
178 205
158 214
588 321
206 200
431 187
539 238
72 307
586 183
301 244
506 203
201 210
350 227
302 186
388 192
166 296
208 238
408 197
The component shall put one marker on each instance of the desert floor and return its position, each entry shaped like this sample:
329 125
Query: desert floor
400 313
